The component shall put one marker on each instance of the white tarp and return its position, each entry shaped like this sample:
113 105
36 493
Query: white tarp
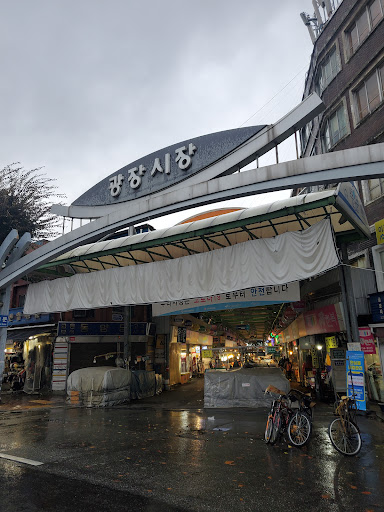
101 386
292 256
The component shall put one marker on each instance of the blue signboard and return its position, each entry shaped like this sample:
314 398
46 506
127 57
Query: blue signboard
377 307
356 378
104 329
3 320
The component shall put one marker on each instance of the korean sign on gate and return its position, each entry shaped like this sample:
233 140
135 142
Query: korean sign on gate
166 167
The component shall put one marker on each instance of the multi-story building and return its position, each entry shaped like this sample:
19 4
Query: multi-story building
347 71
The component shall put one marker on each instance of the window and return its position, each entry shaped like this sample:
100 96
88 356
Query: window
364 24
370 93
373 189
334 129
328 69
21 301
305 134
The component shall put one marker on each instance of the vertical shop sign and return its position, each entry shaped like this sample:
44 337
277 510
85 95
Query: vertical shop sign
367 340
330 342
60 364
379 228
355 378
160 348
315 357
181 335
377 307
338 369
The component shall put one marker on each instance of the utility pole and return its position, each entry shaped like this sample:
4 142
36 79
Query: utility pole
11 250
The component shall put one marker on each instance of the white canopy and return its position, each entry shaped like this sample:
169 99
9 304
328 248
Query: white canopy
285 258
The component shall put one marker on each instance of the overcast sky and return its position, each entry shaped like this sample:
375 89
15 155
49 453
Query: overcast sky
88 86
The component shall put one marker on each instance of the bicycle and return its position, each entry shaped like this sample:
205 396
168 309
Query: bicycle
281 418
343 431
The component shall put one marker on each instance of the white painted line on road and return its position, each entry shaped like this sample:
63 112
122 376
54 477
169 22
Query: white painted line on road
20 459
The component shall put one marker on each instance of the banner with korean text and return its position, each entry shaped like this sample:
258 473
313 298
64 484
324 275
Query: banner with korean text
250 297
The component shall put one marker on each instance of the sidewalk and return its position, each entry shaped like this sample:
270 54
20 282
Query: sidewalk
13 402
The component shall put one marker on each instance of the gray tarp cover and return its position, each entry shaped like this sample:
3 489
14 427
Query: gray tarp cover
242 388
143 384
101 386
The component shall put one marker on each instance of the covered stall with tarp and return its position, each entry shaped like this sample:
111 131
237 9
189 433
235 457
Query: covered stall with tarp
242 388
99 387
143 384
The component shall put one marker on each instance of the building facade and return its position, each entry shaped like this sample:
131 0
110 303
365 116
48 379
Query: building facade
347 71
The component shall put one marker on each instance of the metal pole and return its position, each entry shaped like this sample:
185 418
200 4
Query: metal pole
345 303
297 148
127 338
277 154
350 295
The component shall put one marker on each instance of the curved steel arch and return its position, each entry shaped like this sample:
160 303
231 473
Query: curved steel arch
350 164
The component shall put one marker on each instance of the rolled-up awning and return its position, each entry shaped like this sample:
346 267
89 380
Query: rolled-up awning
22 333
292 256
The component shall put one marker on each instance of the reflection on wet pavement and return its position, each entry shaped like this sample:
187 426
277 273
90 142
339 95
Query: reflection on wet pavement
189 460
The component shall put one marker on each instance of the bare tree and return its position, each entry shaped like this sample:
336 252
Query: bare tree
26 197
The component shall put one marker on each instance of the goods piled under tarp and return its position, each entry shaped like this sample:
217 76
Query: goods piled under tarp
100 387
106 385
143 384
242 388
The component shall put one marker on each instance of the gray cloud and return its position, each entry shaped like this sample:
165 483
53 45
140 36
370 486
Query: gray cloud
90 85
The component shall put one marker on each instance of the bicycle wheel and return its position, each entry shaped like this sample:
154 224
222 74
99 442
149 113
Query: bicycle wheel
268 429
299 429
345 437
276 428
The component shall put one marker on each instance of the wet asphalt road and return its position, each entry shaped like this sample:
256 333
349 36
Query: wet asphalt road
169 454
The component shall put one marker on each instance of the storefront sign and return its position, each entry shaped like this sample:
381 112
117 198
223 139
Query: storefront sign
104 329
317 321
3 320
354 346
338 365
349 202
322 320
367 340
315 357
250 297
207 353
60 363
181 335
355 378
377 307
330 342
379 228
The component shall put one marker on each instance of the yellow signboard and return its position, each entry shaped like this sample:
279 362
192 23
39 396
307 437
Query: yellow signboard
330 342
207 353
379 227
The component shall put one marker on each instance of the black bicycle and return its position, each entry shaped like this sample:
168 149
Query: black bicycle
282 418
